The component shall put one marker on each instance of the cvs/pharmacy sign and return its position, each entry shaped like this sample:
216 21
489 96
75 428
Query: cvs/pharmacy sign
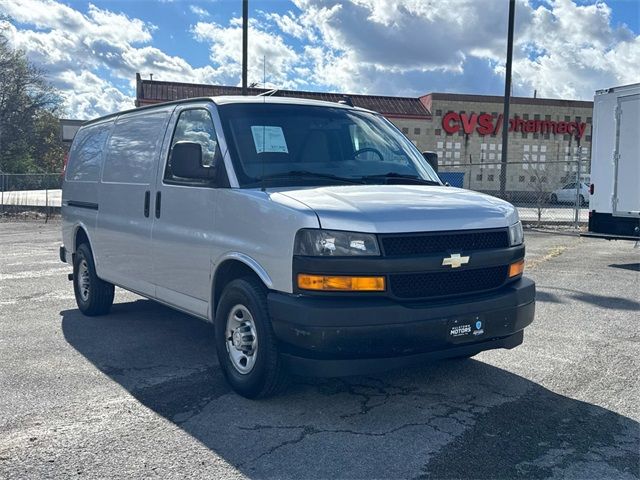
485 124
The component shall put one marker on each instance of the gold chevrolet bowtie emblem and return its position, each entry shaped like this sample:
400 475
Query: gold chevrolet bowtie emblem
455 260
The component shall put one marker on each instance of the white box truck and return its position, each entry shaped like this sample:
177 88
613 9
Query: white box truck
615 163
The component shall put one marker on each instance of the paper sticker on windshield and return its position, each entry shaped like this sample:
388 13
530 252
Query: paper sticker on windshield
269 139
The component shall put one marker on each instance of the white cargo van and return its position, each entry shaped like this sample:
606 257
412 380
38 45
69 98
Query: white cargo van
614 208
314 236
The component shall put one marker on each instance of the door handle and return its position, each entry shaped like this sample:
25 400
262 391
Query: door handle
147 201
158 203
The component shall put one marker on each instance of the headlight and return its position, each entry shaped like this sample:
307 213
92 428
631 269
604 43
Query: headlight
335 243
516 234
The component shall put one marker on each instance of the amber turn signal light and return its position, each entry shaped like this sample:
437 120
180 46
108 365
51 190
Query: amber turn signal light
340 283
516 269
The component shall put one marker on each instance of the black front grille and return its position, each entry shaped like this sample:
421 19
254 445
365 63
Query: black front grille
439 242
438 284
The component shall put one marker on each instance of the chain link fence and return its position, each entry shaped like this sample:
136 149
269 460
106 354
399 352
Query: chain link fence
30 192
545 192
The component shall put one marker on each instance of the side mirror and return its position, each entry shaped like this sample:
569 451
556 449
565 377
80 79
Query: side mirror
186 161
432 159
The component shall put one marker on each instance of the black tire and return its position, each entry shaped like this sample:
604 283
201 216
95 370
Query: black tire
582 201
98 297
268 375
554 198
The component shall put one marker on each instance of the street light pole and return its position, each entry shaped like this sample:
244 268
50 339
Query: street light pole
507 97
245 29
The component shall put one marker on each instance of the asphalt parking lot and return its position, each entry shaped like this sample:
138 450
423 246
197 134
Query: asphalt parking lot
138 393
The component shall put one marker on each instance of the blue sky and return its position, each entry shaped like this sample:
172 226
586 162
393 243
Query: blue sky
92 50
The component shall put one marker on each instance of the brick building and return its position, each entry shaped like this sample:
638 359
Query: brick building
465 131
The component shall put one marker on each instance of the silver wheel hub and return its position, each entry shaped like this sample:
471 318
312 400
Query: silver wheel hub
241 339
84 281
237 339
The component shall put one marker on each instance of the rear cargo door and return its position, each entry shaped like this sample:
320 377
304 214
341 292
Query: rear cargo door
627 187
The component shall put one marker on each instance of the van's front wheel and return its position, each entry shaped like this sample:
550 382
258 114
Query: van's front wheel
245 342
93 296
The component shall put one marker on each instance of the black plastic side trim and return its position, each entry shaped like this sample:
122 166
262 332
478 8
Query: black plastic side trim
88 205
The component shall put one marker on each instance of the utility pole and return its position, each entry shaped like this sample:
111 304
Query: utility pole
245 30
507 97
576 223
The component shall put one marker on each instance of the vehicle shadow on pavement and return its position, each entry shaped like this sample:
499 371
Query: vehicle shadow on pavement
634 267
453 419
602 301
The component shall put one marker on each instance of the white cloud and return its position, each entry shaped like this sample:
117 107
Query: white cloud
573 50
92 95
73 47
199 11
116 28
225 44
563 48
289 24
377 46
386 46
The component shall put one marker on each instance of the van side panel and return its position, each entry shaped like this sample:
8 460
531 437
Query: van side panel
80 196
122 244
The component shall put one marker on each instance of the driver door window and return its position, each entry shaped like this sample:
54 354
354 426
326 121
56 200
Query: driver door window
195 126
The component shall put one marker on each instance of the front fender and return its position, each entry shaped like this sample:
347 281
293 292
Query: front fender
248 261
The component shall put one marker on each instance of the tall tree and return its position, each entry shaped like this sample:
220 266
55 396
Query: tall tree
29 110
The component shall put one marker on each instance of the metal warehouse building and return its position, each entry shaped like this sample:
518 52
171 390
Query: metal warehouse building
549 139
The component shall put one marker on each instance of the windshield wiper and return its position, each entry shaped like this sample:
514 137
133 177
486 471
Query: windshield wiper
401 177
308 174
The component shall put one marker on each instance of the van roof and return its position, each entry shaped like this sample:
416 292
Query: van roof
229 99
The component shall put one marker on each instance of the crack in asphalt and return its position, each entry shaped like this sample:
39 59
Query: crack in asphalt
457 411
366 392
307 431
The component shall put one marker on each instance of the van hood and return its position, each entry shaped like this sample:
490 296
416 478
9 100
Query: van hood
400 208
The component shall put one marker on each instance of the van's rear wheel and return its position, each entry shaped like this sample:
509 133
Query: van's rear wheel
245 342
93 296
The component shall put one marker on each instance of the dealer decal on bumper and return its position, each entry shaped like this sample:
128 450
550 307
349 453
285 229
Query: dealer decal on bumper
461 329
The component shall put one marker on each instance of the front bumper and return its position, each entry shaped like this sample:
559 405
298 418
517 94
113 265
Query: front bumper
333 336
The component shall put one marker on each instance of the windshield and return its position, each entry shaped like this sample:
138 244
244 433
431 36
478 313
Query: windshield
285 145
